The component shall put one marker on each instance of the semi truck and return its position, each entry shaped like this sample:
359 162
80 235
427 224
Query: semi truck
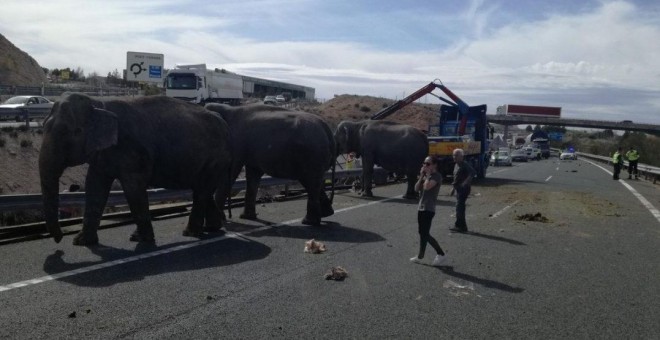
196 84
459 126
529 110
540 139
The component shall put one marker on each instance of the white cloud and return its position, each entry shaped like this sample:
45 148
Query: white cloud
599 52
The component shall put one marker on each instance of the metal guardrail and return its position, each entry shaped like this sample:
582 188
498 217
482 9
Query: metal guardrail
77 199
646 171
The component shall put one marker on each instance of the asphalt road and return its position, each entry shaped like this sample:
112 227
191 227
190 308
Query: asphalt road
590 271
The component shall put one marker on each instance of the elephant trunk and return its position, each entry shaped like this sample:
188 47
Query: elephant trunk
50 171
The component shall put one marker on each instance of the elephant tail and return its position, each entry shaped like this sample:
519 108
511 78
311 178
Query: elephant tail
332 177
229 191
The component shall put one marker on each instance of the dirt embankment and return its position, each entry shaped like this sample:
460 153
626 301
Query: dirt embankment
19 150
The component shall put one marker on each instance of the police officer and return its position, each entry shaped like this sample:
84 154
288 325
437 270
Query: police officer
633 157
617 160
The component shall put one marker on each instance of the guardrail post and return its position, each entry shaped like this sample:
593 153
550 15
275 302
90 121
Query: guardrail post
26 117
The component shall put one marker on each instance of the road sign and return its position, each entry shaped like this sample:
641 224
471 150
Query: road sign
145 67
555 136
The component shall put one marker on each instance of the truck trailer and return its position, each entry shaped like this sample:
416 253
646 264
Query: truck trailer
196 84
529 110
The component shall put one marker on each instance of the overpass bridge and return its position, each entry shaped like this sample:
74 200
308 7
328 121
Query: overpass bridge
586 123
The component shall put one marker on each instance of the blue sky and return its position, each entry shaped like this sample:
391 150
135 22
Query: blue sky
596 59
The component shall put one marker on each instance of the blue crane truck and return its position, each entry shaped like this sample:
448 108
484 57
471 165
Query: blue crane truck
459 126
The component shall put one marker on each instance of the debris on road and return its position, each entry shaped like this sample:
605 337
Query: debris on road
314 247
336 273
538 217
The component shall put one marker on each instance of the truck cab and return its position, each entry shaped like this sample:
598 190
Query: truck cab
196 84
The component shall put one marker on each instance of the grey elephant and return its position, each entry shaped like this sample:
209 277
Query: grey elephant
395 147
151 141
281 143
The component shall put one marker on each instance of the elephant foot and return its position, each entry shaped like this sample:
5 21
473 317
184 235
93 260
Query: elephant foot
249 216
311 221
213 229
85 239
367 194
136 237
410 196
192 232
327 211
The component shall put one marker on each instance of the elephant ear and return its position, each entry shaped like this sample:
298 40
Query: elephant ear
102 130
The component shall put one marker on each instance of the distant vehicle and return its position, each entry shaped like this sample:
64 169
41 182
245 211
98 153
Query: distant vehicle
626 121
196 84
519 155
270 100
15 105
567 154
532 152
280 98
500 158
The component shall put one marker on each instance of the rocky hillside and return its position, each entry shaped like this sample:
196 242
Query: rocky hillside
17 67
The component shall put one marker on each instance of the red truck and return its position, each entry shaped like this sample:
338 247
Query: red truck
529 110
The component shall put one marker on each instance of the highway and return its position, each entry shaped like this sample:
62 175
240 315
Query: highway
590 271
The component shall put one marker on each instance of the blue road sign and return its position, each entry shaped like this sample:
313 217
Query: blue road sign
555 136
155 71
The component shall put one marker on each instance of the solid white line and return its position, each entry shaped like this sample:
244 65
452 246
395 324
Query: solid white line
635 193
82 270
547 179
504 209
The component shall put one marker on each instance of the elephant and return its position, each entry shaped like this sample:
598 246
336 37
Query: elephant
280 143
150 141
395 147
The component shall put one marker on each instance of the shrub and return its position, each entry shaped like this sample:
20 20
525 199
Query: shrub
22 128
2 142
13 134
357 105
365 109
26 143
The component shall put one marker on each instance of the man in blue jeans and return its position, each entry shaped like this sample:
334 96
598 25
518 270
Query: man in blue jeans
463 174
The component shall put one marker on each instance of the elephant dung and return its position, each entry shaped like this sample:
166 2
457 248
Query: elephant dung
336 273
314 247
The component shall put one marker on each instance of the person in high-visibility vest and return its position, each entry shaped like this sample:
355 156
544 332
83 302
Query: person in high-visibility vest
617 160
633 158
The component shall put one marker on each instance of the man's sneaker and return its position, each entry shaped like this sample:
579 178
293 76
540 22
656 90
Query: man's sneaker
415 259
439 260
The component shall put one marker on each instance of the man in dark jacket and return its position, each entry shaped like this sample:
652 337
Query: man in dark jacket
463 174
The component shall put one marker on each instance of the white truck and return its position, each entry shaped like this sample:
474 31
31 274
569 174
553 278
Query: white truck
194 83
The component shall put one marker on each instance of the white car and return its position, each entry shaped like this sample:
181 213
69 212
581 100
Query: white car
280 98
13 107
568 155
500 158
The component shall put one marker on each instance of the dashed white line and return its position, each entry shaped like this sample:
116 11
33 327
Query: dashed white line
547 179
504 209
82 270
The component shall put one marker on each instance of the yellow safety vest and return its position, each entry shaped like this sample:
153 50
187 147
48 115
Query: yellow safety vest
632 155
616 158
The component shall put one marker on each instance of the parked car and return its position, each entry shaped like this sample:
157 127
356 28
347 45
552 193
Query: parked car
37 104
500 158
519 155
280 98
270 100
566 154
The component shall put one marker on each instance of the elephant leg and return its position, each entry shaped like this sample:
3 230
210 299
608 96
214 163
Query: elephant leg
410 191
367 179
214 218
224 190
326 205
252 178
202 199
313 188
97 189
135 190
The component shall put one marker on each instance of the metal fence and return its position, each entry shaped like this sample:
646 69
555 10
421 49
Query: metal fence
77 199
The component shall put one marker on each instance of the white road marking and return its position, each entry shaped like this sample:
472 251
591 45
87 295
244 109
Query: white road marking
547 179
494 172
82 270
635 193
504 209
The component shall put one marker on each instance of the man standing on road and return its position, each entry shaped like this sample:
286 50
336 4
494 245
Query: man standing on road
617 160
463 174
633 157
